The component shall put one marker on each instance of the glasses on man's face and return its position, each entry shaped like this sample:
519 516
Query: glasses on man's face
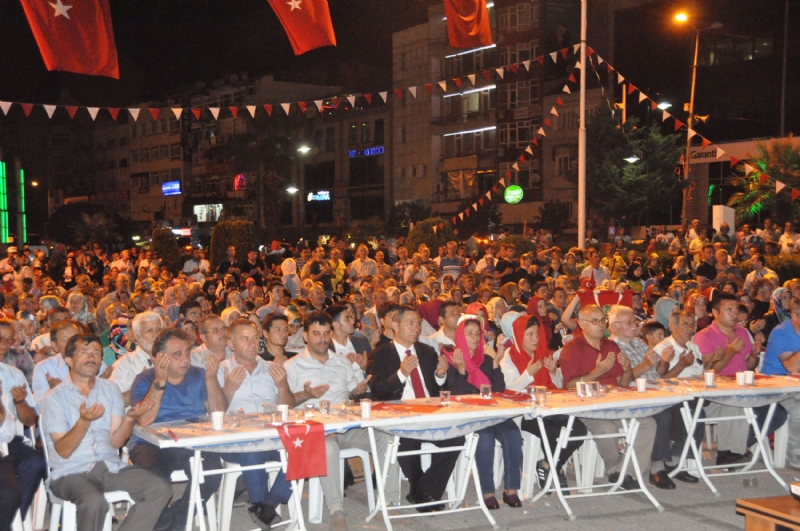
596 322
7 339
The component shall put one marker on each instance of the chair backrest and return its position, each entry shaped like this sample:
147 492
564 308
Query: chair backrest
45 450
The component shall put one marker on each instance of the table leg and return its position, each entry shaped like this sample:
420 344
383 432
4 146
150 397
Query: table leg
194 493
552 460
381 472
631 454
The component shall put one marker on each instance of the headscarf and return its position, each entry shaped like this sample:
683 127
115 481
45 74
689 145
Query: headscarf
547 323
782 314
430 312
229 315
520 358
207 284
663 310
390 291
473 308
83 316
631 273
118 335
506 323
689 305
505 293
491 307
289 267
473 361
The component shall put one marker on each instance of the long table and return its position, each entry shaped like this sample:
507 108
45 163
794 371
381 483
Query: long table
422 419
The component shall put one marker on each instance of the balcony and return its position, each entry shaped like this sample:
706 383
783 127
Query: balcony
463 118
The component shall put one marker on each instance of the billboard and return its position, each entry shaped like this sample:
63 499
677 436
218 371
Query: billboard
206 213
171 188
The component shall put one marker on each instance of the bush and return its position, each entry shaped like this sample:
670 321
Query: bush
240 234
423 233
165 245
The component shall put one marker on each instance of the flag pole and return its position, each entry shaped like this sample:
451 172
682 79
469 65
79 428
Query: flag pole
582 137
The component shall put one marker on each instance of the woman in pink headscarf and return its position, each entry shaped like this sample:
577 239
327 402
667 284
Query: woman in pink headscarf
469 369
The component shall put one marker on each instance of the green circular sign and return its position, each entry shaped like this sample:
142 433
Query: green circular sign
513 194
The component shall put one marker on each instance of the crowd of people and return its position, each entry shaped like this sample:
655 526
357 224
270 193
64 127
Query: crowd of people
95 344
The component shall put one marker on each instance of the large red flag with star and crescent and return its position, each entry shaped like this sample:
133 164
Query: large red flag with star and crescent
307 23
305 450
468 23
74 35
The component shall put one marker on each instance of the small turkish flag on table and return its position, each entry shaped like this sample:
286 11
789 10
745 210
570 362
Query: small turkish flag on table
74 35
305 449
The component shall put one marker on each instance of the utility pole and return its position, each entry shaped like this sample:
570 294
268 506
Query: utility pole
582 137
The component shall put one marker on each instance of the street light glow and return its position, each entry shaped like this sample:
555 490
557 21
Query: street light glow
292 189
631 159
303 149
681 17
664 105
34 183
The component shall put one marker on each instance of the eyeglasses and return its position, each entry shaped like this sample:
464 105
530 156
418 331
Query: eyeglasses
7 339
596 322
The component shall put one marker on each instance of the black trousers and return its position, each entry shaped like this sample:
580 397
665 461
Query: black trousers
10 496
21 472
552 428
434 480
164 461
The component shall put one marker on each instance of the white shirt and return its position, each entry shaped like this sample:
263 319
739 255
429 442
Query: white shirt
754 275
336 372
695 369
11 377
344 350
601 274
440 338
514 380
200 352
128 367
56 367
40 342
256 389
787 239
409 275
408 389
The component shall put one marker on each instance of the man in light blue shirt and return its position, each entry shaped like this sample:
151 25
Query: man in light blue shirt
248 383
85 425
783 357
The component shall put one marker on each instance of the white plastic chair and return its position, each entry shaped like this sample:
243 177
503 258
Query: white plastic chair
780 443
315 496
227 492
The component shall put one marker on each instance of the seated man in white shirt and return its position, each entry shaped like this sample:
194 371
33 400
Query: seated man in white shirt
50 372
314 374
448 320
344 343
146 326
214 334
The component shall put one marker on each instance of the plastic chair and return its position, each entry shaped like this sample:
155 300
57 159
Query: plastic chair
227 491
781 441
315 495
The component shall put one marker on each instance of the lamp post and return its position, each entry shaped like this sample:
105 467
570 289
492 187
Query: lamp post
683 18
302 150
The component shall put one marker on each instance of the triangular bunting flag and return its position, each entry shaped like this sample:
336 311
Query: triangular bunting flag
413 91
764 178
576 47
502 182
589 51
665 115
540 60
571 78
351 100
691 133
467 212
631 88
234 111
398 93
471 78
6 105
318 103
435 228
521 159
28 107
214 111
577 63
134 113
554 56
489 195
600 60
720 152
197 113
457 81
453 220
49 109
653 105
527 65
461 216
559 101
500 72
303 106
564 52
529 151
114 112
92 111
475 206
443 85
286 107
779 186
154 112
609 67
642 97
734 161
541 131
795 194
429 87
706 142
177 111
383 95
553 111
566 89
480 201
748 169
620 79
547 122
250 108
678 124
535 141
368 97
514 68
487 75
494 188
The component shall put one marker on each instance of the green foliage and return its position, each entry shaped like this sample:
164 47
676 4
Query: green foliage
520 243
423 233
361 229
165 245
554 216
779 160
787 266
84 223
401 216
641 192
240 234
485 221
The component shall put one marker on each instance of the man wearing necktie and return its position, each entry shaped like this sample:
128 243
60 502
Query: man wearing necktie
406 369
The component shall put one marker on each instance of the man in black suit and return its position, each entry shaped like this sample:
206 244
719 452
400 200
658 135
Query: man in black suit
406 369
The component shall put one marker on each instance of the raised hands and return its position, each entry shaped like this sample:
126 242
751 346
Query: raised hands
602 366
140 409
458 361
534 366
668 354
362 386
92 413
409 364
315 392
52 382
278 373
232 380
360 359
441 367
19 393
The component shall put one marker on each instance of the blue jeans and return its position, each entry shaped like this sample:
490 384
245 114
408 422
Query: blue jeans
778 418
507 433
257 481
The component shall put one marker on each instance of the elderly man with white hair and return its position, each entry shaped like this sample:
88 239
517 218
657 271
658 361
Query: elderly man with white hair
146 326
644 364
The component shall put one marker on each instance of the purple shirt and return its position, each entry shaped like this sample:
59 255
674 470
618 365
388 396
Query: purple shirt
712 337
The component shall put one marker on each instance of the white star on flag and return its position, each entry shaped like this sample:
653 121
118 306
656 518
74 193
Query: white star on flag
61 9
294 4
298 442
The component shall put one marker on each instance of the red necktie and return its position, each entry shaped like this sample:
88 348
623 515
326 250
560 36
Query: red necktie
416 381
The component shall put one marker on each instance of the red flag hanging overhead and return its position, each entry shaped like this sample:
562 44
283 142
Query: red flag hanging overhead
795 194
305 450
307 23
74 36
114 112
468 23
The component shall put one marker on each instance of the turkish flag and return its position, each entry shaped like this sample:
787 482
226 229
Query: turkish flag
468 23
605 298
74 35
305 450
307 23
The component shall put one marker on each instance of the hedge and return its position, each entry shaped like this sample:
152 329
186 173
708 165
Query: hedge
165 246
241 234
787 266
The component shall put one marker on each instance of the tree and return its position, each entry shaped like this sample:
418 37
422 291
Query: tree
84 223
555 217
165 246
486 220
642 192
423 233
778 160
404 214
240 234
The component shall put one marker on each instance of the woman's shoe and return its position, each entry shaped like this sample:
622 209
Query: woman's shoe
491 503
512 500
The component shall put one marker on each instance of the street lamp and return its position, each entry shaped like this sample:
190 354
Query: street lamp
631 159
683 18
292 189
34 183
303 149
664 105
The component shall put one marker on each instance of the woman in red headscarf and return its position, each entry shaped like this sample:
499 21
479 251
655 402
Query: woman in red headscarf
538 306
528 362
469 369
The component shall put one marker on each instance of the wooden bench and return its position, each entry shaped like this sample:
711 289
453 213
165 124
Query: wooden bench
769 514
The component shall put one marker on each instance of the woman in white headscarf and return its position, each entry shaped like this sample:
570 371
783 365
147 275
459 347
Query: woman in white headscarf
229 315
290 279
79 311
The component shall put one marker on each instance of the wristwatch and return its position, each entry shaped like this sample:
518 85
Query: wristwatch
158 387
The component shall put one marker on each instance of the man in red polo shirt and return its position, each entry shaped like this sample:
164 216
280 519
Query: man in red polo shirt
595 358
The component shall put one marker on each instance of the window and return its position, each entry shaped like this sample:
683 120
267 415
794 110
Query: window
155 178
143 130
515 134
330 140
164 175
379 131
123 141
154 153
174 125
163 151
468 63
123 163
153 128
175 174
145 154
567 120
318 139
512 95
225 100
238 97
403 135
175 151
111 143
366 171
352 134
134 131
364 132
319 176
519 17
469 143
528 178
165 125
134 156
